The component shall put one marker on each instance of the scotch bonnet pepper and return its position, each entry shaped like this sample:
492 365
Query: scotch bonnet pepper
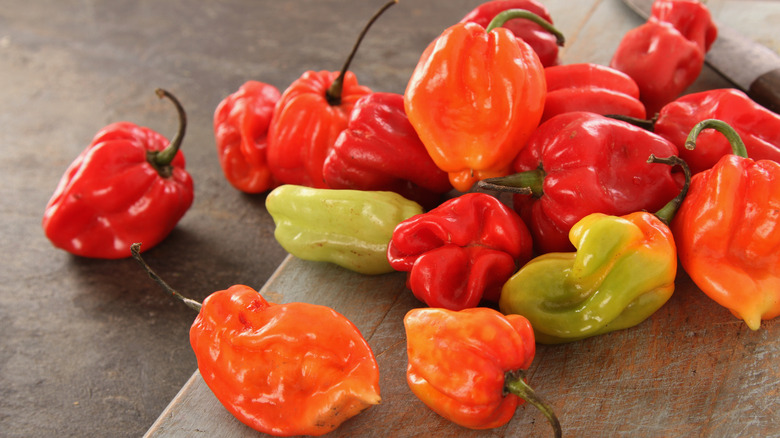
380 150
544 43
474 97
350 228
461 251
580 163
469 366
666 54
281 369
241 123
308 118
728 230
622 271
758 128
129 185
593 88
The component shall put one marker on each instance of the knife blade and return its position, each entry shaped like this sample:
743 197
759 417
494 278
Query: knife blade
750 66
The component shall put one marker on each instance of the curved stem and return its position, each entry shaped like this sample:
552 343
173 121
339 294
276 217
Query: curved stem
135 250
646 124
333 95
514 383
666 213
161 160
529 182
737 145
510 14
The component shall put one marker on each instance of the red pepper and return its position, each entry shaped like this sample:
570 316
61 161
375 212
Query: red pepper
728 230
281 369
541 40
380 150
758 127
309 117
461 251
129 185
580 163
469 366
241 123
659 55
474 97
591 87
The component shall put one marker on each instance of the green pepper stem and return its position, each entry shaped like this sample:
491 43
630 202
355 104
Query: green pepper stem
502 17
529 182
135 250
333 95
514 383
666 213
161 160
737 145
646 124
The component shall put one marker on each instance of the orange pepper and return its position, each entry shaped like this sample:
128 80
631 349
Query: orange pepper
469 366
475 96
728 231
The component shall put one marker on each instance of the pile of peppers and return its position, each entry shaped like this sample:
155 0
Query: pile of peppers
613 174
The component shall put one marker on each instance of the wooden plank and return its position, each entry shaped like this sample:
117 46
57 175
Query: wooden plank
690 369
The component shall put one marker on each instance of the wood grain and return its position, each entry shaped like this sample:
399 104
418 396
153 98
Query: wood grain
692 369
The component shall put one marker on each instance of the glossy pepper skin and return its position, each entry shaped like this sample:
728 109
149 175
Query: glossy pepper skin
590 87
241 123
728 232
474 98
541 40
623 270
380 150
461 251
665 54
758 127
468 366
129 185
580 163
350 228
305 126
283 369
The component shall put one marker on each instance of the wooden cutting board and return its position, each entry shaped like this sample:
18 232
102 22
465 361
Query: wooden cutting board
692 369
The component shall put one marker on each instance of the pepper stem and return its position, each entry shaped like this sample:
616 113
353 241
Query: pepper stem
666 213
135 250
646 124
333 95
737 145
161 160
529 182
514 383
502 17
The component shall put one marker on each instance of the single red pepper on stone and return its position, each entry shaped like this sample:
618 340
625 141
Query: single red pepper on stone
281 369
580 163
666 54
758 127
469 366
541 40
728 230
591 87
241 123
461 252
308 118
380 150
129 185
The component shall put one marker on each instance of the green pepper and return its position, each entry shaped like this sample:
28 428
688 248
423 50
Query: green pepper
622 272
350 228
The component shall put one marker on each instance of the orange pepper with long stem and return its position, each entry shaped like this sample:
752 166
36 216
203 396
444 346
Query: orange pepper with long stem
728 230
475 96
